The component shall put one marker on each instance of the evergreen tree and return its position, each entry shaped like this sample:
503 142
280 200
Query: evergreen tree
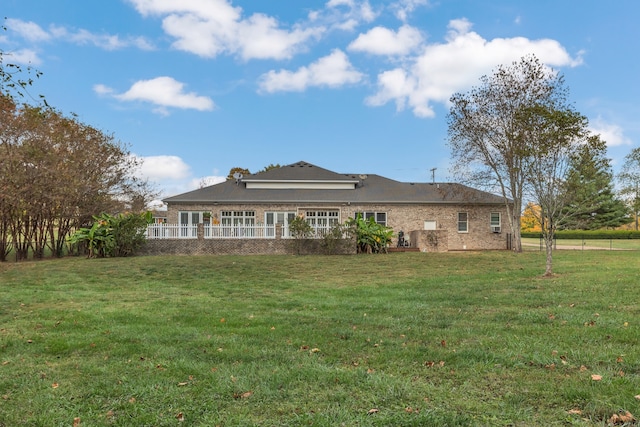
594 204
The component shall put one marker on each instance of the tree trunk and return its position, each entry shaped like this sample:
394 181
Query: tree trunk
548 244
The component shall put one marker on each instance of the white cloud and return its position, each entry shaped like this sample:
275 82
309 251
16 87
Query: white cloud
23 56
383 41
161 168
107 41
404 8
32 32
171 175
456 65
163 92
344 15
611 133
27 30
333 71
209 28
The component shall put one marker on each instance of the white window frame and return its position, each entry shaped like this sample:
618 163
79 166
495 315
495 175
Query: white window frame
464 221
322 217
193 217
279 217
495 224
238 217
375 215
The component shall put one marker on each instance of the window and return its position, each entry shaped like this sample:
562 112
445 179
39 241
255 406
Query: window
322 218
463 222
378 217
190 219
495 222
283 218
193 217
247 218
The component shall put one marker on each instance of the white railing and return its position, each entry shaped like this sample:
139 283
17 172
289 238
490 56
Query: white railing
172 231
216 231
239 231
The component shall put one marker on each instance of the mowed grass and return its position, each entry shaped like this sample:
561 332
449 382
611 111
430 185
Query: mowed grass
611 244
407 339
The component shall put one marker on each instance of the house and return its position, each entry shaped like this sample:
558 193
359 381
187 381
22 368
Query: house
431 216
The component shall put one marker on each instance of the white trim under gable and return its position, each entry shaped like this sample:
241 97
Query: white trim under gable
306 185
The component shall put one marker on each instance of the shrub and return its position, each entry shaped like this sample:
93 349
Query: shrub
109 235
371 237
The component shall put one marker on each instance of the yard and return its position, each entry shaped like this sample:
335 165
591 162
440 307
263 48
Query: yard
405 339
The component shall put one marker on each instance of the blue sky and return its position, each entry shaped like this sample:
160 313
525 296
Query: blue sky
196 87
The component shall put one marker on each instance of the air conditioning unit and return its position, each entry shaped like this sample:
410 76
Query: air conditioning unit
495 228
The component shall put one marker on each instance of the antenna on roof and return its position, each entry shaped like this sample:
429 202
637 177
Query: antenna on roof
237 176
433 175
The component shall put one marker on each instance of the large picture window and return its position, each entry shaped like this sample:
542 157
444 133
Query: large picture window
463 222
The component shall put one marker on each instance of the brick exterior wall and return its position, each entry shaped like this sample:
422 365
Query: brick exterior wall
409 218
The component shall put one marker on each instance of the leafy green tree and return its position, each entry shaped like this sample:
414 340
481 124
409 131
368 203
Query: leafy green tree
485 136
593 203
630 179
551 136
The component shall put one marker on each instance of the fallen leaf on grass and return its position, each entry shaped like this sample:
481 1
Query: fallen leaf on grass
76 422
54 385
180 417
242 395
132 400
183 384
622 418
574 411
596 377
373 411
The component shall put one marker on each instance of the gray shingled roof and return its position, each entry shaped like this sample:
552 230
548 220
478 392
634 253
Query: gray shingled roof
372 189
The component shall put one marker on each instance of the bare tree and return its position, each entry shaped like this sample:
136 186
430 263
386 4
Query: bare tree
485 134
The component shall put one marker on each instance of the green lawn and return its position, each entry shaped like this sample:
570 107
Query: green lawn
406 339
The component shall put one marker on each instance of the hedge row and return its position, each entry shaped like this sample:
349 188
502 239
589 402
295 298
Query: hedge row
590 234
